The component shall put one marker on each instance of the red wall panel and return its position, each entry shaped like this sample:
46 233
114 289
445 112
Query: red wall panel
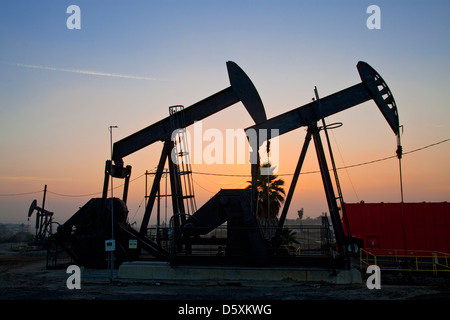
386 226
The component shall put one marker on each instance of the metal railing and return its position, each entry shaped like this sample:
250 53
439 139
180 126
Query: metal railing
396 260
298 239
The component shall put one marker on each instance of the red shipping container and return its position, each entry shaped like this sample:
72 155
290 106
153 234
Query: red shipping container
386 228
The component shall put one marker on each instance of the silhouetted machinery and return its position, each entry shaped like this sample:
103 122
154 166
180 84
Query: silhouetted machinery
44 219
84 234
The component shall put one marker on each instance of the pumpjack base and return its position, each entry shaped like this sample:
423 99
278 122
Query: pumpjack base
305 261
163 272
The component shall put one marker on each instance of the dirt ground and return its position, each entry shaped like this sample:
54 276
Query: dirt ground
24 276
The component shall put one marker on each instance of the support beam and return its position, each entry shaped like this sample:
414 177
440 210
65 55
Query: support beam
329 192
151 200
287 201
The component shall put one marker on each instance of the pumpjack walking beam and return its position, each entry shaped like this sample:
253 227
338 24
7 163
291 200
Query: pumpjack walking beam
372 87
240 90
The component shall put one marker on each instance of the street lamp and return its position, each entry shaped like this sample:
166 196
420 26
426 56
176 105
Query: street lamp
110 245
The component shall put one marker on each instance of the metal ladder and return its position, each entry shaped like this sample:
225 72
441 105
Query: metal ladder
183 163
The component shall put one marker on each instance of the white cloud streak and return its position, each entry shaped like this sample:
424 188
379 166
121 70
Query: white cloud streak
87 72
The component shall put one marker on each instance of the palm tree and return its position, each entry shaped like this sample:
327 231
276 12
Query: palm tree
288 237
270 193
270 197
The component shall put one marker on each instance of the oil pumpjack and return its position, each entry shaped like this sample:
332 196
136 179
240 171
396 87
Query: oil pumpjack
83 235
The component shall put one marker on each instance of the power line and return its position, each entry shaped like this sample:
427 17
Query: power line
340 168
89 194
64 194
19 194
74 195
427 146
232 175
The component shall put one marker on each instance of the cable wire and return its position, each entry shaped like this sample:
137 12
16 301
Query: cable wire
19 194
340 168
232 175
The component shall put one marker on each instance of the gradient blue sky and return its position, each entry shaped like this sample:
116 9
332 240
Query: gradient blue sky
54 122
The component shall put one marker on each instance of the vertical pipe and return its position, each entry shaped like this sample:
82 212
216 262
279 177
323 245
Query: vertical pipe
101 215
43 199
111 175
111 253
158 213
331 198
40 213
165 202
399 153
146 191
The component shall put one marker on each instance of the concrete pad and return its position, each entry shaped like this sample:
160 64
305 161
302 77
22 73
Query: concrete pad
162 271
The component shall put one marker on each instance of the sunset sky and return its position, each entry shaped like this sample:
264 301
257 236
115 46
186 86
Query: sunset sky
61 89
